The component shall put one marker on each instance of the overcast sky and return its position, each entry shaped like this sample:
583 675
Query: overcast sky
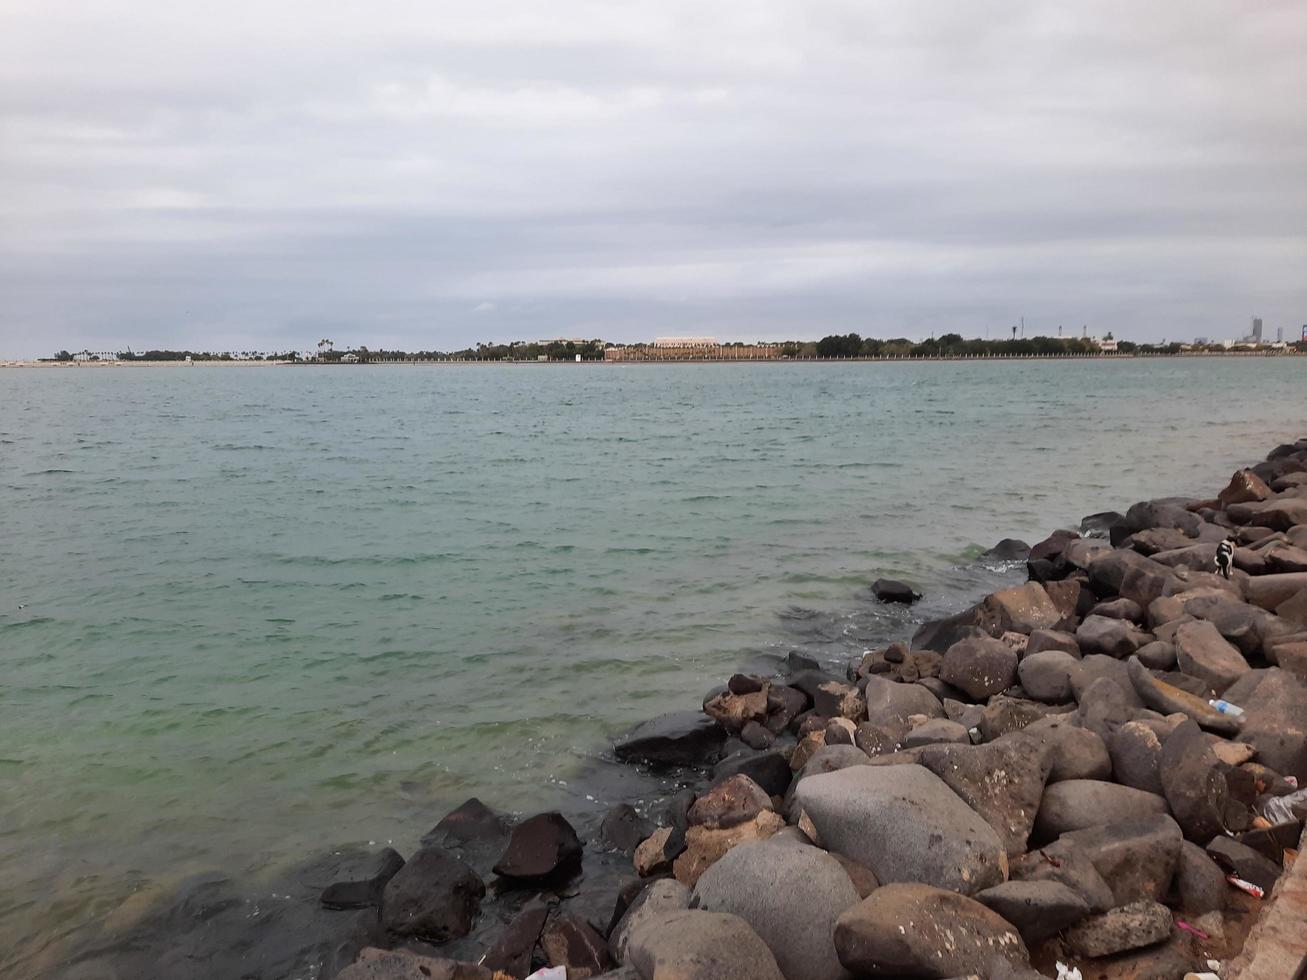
262 173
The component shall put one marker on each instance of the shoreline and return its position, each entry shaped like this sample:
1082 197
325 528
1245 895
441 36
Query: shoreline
483 892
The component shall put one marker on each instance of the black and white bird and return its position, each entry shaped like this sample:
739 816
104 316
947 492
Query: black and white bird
1225 557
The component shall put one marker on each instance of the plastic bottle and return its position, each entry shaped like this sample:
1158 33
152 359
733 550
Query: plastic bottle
1226 708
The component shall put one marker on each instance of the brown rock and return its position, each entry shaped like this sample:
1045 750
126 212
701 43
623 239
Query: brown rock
704 845
569 941
1244 487
734 801
1202 652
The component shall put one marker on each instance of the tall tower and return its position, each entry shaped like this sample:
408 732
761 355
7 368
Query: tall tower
1257 330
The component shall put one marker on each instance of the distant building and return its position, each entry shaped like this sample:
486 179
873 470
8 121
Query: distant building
685 342
1256 335
1107 344
1279 335
349 359
659 351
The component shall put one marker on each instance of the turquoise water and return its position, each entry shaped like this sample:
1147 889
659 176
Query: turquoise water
268 609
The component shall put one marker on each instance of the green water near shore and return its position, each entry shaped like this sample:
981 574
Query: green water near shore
268 610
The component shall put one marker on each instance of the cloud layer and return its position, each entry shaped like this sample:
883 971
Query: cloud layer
428 175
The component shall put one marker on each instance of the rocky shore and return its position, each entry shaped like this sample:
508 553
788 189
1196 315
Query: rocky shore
1093 774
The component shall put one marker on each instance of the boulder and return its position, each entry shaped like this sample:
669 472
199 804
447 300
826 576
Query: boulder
623 829
1045 640
1168 699
890 705
364 888
915 930
784 704
1065 863
940 634
1280 513
892 590
704 846
1244 487
470 822
1074 752
512 951
1128 574
791 895
682 738
540 848
699 945
1004 715
1046 676
1002 781
980 667
1200 883
1193 781
1097 665
757 736
1052 546
1136 751
655 853
1202 652
1158 655
1275 723
1075 804
662 896
1243 862
734 711
434 897
733 801
1129 927
572 943
905 824
1104 708
1009 549
1021 609
1112 637
1126 609
770 770
1137 858
937 731
1039 909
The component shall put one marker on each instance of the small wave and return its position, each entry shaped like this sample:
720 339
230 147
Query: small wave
49 472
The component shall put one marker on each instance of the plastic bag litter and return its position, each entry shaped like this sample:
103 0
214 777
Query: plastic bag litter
549 973
1065 972
1281 808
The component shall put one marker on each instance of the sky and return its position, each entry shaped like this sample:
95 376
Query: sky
259 174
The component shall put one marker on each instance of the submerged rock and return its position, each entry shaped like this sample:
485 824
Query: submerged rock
364 888
434 897
892 590
681 738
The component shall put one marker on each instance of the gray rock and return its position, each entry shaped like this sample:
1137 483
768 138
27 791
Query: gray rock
1193 781
1044 640
1004 715
890 704
1158 655
791 895
937 731
1136 858
662 896
1096 666
1075 804
1063 862
1276 724
698 945
1136 751
905 824
1202 652
1243 862
1076 753
434 897
980 666
623 829
914 930
1104 708
1002 781
682 738
1130 927
1200 883
1046 676
1111 637
1039 909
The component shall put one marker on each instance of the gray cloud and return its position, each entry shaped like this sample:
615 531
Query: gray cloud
429 175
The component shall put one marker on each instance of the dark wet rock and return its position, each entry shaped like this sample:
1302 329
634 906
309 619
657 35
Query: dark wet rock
790 895
541 847
699 945
1063 862
981 667
903 823
796 662
1136 751
770 770
1125 609
1243 862
937 731
681 738
1074 752
1009 549
1200 883
915 930
1002 781
1046 676
403 964
757 736
1100 524
940 634
1112 637
731 802
1042 641
1075 804
892 590
1136 858
471 822
623 829
890 705
746 684
1157 655
434 897
784 704
513 947
571 942
367 880
1202 652
1129 927
1193 781
835 698
1168 699
662 896
1052 546
1039 909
